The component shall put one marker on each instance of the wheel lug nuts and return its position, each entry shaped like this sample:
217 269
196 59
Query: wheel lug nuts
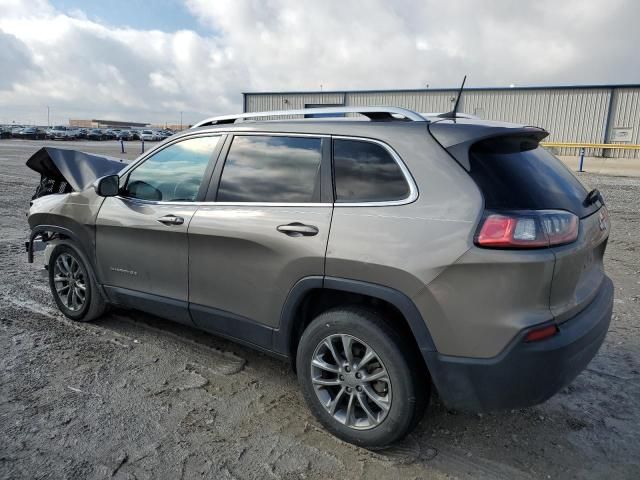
341 377
347 369
358 375
348 389
359 388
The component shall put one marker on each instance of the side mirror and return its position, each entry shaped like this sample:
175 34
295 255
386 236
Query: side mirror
108 186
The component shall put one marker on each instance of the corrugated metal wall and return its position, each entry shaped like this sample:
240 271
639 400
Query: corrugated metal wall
266 103
577 115
625 113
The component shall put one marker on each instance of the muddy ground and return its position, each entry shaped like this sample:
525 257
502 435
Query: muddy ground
134 396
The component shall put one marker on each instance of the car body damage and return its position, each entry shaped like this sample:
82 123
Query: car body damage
63 171
65 204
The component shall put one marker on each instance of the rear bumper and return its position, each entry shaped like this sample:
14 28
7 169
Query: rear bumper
525 374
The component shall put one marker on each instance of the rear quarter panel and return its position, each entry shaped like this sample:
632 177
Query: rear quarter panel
579 269
406 247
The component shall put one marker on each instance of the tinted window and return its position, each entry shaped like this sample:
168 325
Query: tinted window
174 173
366 172
271 169
525 177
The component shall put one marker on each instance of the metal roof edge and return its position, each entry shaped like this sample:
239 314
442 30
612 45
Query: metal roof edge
452 89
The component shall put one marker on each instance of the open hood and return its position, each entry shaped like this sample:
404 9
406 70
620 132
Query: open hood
64 171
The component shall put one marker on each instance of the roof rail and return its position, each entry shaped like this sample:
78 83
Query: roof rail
373 113
457 115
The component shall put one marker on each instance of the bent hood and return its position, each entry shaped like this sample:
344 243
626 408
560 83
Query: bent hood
65 170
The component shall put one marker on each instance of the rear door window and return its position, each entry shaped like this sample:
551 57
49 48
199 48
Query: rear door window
515 174
271 169
366 172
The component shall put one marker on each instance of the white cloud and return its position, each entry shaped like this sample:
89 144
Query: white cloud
82 68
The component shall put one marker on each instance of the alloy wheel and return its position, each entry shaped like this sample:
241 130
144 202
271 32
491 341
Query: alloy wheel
351 381
70 281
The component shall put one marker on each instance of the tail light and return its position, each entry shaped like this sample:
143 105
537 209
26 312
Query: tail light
527 229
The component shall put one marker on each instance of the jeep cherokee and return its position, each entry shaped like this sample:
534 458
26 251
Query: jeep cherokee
385 254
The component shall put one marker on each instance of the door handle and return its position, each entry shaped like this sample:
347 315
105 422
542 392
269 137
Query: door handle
171 220
297 229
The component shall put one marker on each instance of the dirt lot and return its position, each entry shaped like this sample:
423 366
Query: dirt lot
134 396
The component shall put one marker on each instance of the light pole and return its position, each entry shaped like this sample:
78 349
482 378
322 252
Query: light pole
48 124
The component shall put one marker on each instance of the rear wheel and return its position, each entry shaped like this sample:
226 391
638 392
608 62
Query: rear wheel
73 285
360 378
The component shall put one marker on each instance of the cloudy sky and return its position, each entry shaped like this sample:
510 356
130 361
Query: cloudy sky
145 60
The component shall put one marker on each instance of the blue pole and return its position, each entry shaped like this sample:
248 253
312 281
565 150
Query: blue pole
581 159
142 151
122 146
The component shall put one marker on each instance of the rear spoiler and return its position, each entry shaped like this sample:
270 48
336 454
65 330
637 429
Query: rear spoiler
64 171
458 136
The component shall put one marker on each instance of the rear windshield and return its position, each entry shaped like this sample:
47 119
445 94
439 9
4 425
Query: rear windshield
518 174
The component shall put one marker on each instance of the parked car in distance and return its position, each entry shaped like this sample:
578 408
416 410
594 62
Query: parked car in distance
15 129
124 135
31 133
149 136
5 132
385 255
109 134
164 134
60 132
95 134
81 132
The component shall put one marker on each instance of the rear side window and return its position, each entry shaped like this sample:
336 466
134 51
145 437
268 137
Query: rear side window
366 172
518 174
271 169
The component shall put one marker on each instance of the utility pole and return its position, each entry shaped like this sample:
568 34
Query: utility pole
48 124
180 121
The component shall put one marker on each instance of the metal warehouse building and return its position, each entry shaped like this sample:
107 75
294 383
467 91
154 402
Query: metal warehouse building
572 114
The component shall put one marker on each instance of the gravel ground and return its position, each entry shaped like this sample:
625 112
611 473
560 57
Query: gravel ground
134 396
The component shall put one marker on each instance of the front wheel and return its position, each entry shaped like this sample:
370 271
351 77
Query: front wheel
361 378
73 285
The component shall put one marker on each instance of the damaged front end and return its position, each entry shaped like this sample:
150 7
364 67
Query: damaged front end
65 171
65 203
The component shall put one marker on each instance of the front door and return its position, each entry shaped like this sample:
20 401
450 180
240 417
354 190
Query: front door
266 229
141 235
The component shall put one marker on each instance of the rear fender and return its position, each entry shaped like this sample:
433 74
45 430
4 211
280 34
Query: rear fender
282 337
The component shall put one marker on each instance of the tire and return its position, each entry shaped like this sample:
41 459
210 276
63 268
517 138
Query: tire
66 261
403 387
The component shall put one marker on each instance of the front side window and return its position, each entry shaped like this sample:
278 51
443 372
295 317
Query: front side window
366 172
261 168
174 174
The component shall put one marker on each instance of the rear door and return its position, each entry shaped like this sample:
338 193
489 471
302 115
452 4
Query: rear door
266 228
141 234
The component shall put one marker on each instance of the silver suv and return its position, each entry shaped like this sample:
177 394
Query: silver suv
384 254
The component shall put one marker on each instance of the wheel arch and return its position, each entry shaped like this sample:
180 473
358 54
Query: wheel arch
38 230
298 310
68 237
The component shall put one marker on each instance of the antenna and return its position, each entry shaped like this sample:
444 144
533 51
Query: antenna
452 113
